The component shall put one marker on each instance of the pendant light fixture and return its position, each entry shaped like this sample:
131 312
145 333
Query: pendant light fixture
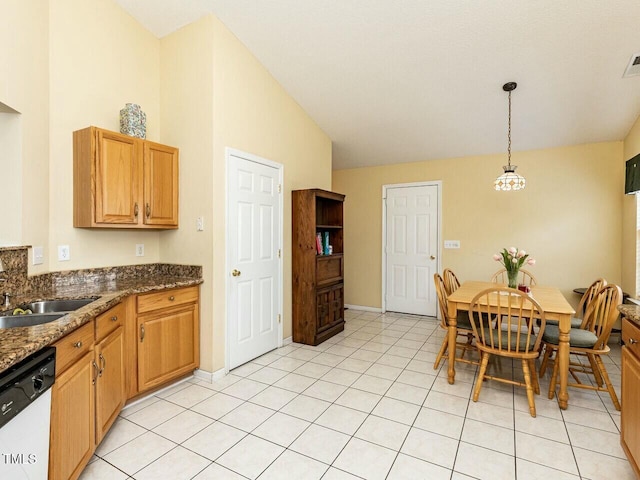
509 180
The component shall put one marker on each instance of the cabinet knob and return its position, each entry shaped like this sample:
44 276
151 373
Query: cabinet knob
148 211
141 333
632 341
78 344
236 273
114 318
135 209
172 298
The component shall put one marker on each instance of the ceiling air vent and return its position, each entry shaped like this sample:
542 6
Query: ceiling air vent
634 66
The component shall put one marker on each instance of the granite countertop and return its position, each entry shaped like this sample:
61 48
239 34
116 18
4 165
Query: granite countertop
19 342
631 312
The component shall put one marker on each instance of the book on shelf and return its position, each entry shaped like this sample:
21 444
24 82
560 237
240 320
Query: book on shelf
319 243
326 243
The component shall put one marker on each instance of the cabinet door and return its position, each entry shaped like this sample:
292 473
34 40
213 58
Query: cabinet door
72 420
630 420
160 184
110 386
167 345
330 307
117 178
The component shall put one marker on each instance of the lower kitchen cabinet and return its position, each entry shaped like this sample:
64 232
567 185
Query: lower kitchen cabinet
110 385
102 364
168 336
72 419
630 415
88 393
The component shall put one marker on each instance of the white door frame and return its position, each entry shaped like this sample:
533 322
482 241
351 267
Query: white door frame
228 153
433 183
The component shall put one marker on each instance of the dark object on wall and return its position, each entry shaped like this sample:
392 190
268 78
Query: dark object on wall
632 175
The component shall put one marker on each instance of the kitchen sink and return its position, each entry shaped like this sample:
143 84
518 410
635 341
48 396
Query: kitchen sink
10 321
48 306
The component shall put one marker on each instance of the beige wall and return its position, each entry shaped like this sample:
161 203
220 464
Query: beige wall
629 217
70 64
100 59
24 82
186 93
568 217
218 96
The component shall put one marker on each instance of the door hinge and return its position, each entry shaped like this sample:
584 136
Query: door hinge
279 319
279 188
279 253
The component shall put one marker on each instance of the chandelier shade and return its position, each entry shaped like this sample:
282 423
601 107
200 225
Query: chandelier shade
509 180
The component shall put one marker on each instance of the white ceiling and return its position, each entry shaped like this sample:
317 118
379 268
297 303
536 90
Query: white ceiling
407 80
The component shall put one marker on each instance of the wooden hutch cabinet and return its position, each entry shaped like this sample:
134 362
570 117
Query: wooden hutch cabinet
318 278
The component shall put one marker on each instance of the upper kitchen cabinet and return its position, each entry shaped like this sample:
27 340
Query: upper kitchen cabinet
123 182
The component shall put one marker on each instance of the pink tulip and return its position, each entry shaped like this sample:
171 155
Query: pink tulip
497 257
531 261
521 254
513 250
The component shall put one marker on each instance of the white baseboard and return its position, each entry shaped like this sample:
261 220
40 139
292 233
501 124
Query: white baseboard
287 341
363 308
209 376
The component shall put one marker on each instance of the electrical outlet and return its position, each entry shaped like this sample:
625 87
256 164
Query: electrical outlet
38 255
139 249
200 224
64 254
452 244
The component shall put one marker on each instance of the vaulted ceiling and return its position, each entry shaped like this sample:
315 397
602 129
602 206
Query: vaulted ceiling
407 80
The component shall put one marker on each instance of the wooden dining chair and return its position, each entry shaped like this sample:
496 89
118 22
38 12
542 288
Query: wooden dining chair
451 282
515 336
589 342
524 277
590 292
463 327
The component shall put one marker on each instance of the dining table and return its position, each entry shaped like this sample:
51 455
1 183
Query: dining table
552 301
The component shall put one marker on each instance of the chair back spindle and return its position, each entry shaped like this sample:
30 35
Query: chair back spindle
508 326
451 282
588 295
602 312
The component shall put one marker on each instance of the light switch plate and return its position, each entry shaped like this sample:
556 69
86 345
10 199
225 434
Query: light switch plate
139 249
64 254
38 255
452 244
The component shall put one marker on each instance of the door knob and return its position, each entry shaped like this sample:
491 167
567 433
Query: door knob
432 257
236 273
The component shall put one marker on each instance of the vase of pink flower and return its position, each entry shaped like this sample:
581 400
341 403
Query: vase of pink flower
513 260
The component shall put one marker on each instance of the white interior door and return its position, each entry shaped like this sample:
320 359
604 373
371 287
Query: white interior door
254 242
411 248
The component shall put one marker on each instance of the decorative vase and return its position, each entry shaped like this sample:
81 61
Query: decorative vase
512 276
133 121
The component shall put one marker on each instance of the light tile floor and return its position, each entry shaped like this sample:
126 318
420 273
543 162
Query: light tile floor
366 403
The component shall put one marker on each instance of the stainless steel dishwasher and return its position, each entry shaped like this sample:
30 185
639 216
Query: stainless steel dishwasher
25 410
